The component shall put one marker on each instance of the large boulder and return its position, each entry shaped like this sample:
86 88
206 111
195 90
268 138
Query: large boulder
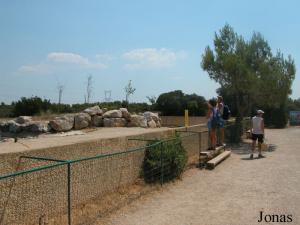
62 123
152 124
138 121
114 122
125 113
15 127
158 123
95 110
4 126
38 127
82 120
23 119
113 114
97 121
151 116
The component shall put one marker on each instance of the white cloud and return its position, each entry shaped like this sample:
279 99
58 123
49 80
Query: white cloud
104 57
152 58
72 58
66 57
59 60
35 69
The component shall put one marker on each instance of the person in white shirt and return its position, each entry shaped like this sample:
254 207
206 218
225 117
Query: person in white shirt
258 131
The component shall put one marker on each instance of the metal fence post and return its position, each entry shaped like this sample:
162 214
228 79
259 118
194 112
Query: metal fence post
200 144
161 164
69 194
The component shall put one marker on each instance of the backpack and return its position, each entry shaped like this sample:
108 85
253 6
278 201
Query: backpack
226 112
215 120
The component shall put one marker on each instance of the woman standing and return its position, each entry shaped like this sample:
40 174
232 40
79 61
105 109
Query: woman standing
212 124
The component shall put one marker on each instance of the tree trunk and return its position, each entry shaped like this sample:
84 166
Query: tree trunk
238 125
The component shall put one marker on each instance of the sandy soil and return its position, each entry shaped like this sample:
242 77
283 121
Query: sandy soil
232 194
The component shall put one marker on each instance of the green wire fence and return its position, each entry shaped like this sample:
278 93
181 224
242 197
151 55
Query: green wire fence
44 190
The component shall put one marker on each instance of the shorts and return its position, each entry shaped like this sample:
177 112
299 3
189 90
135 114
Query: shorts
259 137
221 123
209 124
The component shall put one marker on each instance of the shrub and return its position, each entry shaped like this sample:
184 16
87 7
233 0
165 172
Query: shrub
6 110
235 130
175 102
276 117
31 106
174 159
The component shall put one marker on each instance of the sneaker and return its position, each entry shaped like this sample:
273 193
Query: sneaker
251 156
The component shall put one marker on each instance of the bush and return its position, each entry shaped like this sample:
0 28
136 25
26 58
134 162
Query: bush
175 102
6 110
31 106
37 106
174 158
235 130
276 117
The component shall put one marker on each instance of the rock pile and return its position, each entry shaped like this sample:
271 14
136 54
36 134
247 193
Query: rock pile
90 117
24 124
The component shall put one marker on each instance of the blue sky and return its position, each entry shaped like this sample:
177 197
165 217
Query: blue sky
156 44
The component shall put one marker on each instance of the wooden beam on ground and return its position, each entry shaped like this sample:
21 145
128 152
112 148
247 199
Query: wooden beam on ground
205 153
211 164
219 149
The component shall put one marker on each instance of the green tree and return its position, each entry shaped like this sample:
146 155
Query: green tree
31 106
171 103
293 105
151 99
175 102
195 104
248 72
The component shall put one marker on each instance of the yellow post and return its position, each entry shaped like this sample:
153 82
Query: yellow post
186 118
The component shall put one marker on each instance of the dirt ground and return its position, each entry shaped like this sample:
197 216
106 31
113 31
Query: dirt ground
233 193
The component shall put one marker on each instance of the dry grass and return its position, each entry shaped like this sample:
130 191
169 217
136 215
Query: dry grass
99 208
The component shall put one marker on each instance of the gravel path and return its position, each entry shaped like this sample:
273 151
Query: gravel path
232 194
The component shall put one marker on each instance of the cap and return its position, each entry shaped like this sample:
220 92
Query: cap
260 111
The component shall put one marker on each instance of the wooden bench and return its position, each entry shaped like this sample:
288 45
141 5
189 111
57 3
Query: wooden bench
211 164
